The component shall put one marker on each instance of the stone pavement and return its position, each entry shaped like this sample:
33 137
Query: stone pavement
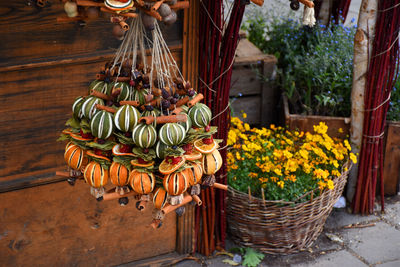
347 240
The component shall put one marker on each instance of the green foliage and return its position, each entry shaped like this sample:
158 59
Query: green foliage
314 64
108 145
251 257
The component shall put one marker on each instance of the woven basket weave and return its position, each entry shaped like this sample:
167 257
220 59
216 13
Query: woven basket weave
278 227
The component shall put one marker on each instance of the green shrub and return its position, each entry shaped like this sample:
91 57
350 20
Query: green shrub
314 64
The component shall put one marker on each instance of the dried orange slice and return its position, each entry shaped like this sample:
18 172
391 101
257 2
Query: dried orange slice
169 165
67 131
92 154
205 148
142 163
79 138
117 151
193 155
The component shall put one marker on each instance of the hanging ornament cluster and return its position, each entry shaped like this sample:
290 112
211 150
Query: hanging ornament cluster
142 129
149 12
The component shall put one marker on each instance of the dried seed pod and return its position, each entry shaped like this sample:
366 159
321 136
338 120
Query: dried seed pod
164 10
148 22
71 8
171 18
118 32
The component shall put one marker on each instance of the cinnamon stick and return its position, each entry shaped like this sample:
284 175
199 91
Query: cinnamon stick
128 14
180 5
100 95
197 200
195 100
62 174
152 13
258 2
124 25
169 208
101 77
108 109
131 102
182 101
307 3
222 186
41 3
88 3
157 5
177 111
164 119
115 195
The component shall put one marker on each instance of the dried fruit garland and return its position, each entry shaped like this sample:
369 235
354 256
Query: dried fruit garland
144 130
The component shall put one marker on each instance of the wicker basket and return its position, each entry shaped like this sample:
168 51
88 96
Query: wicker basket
278 227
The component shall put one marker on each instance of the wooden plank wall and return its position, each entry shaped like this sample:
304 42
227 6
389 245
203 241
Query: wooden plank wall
44 66
61 225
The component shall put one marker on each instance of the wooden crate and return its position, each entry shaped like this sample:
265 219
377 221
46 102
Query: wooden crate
44 66
305 122
391 168
251 92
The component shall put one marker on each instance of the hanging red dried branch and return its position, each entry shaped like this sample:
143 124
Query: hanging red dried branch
383 68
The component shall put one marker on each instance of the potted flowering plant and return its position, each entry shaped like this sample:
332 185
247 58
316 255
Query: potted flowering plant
284 183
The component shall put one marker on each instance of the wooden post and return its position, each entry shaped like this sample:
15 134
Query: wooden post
362 48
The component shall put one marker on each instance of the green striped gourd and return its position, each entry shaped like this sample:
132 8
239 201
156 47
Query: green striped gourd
95 175
139 95
119 174
77 107
102 124
126 118
75 156
176 183
125 90
160 150
154 113
100 86
200 115
160 198
144 135
142 182
172 134
184 108
89 106
187 124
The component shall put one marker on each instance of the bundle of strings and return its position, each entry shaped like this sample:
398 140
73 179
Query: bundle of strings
382 74
163 67
308 16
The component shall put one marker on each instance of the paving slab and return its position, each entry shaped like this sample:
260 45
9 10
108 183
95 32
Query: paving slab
379 243
334 259
340 217
389 264
392 214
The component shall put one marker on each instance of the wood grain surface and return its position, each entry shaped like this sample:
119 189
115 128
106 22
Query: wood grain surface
391 168
31 34
44 66
61 225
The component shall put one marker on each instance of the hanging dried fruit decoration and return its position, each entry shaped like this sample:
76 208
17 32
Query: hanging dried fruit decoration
142 125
